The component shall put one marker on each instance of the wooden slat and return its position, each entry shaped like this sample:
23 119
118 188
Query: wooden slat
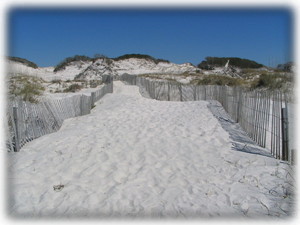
35 120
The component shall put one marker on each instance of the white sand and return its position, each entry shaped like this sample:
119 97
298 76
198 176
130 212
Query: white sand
134 156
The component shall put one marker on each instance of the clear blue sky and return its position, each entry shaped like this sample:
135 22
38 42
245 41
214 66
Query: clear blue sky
47 36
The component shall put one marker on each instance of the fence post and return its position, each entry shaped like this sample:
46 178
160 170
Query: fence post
168 91
180 91
81 105
111 84
105 79
17 138
293 156
284 127
92 99
238 105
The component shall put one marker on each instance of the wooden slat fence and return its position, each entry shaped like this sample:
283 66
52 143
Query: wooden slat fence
27 121
262 114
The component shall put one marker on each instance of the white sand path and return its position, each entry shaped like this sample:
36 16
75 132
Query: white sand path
134 156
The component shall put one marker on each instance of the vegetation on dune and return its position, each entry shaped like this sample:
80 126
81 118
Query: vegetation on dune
272 81
62 65
59 86
252 79
28 88
218 80
252 75
161 77
73 88
99 56
140 56
211 62
287 67
56 81
23 61
264 81
105 59
95 83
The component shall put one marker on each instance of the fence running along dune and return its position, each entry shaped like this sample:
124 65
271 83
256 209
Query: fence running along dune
28 121
266 116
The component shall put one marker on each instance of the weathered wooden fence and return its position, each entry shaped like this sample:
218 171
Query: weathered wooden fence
28 121
262 114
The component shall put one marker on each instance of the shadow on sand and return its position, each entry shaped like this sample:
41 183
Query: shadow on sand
240 140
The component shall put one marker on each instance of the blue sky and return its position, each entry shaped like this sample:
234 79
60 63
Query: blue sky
47 36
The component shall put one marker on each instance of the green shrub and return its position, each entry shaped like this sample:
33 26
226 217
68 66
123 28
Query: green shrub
62 65
23 61
140 56
73 88
95 83
56 81
211 62
27 87
218 80
271 81
287 67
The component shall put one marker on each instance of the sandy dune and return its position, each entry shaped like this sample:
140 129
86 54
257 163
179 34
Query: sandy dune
134 156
